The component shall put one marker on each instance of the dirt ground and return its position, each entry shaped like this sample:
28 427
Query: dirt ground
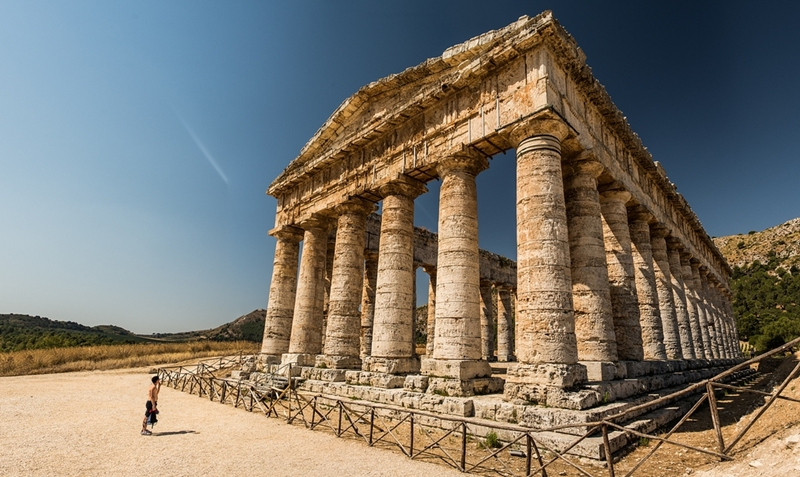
87 424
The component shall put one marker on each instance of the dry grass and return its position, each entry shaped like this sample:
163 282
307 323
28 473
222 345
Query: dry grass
89 358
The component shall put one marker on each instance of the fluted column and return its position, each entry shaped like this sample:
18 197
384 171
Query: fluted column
646 289
393 330
457 346
328 275
709 312
342 340
431 325
691 306
368 302
306 339
487 322
666 300
701 311
546 347
621 276
594 326
674 248
505 328
282 292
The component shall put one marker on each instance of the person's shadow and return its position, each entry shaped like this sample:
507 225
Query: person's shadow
173 433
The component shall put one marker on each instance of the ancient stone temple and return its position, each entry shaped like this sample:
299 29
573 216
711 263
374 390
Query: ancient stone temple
614 278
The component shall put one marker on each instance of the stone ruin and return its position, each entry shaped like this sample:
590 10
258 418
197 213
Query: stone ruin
617 289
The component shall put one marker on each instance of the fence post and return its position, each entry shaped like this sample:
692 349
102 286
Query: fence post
528 446
712 405
607 450
371 425
411 443
463 446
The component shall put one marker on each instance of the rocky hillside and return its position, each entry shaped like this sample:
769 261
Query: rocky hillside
249 327
783 241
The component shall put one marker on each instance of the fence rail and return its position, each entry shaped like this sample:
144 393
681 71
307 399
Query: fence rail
463 443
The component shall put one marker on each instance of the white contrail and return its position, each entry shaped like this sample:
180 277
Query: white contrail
205 152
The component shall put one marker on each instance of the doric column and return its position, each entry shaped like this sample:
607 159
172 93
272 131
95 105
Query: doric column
431 325
342 340
487 322
727 341
594 326
393 330
328 275
457 346
282 291
711 317
621 276
691 306
505 328
368 302
646 289
701 311
546 347
674 248
306 339
666 300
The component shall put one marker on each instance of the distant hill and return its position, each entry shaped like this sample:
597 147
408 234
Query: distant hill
765 283
781 242
249 327
23 332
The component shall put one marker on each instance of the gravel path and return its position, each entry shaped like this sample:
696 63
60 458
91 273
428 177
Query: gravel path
88 423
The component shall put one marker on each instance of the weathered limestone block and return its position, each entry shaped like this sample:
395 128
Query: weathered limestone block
674 248
464 388
342 342
416 383
621 276
282 291
368 302
306 338
594 326
646 289
505 326
393 329
666 300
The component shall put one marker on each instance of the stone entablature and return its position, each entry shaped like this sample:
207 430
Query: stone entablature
472 97
613 268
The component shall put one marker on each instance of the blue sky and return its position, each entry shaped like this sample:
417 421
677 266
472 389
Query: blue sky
137 139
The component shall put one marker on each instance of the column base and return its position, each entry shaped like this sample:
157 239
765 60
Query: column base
506 358
376 364
604 370
456 368
338 362
267 359
547 374
299 359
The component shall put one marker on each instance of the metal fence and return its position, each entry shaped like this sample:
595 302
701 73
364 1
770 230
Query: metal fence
468 444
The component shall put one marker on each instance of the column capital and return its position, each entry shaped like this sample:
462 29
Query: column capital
695 263
287 233
356 205
317 221
430 270
674 243
468 161
640 212
704 271
686 257
555 128
405 186
614 192
584 163
659 230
